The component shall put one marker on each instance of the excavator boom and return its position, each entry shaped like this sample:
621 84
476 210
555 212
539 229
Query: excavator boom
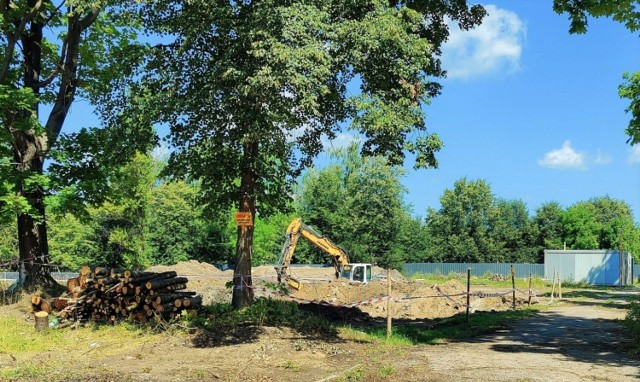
297 229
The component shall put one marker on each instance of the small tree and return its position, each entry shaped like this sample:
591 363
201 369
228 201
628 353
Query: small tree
357 203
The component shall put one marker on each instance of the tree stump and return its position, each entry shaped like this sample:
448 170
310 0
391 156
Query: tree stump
42 320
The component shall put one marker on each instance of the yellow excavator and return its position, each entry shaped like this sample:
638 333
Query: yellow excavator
356 272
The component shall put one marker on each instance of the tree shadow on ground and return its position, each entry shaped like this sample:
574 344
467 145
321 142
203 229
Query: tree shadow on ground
207 338
602 295
422 330
588 340
221 325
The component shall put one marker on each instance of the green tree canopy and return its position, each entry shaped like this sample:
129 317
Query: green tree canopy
357 203
548 219
459 231
250 88
49 55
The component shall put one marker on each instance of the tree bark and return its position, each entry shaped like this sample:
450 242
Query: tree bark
29 151
242 291
30 147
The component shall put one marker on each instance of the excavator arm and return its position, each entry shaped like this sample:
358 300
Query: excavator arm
296 230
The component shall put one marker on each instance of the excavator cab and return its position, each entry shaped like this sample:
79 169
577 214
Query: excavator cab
357 273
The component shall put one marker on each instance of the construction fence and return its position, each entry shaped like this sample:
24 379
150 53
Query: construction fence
478 269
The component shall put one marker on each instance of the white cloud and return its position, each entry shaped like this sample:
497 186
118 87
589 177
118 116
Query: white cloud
634 155
340 141
565 157
602 157
493 47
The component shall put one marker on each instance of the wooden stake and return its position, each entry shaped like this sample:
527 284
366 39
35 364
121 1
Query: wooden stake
389 303
553 285
468 291
559 286
530 290
513 286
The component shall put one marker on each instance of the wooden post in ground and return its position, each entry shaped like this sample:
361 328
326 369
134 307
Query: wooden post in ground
468 291
553 285
559 286
513 286
389 303
530 290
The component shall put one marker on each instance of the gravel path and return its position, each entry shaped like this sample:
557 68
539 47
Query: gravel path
579 340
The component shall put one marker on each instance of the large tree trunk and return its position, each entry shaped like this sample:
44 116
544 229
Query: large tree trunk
242 291
32 227
29 151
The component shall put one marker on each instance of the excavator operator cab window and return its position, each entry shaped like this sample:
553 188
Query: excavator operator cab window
358 274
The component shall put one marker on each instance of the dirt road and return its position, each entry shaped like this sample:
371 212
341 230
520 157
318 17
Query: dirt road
579 340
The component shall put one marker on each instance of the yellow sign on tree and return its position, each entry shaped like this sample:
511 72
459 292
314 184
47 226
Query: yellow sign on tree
244 219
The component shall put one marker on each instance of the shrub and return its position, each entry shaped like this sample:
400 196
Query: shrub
632 323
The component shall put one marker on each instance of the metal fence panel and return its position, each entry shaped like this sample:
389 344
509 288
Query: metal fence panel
59 276
477 269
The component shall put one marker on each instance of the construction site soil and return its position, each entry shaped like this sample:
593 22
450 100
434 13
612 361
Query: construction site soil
412 299
577 339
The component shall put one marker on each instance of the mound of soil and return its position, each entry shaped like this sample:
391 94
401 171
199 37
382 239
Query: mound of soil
188 268
204 278
412 299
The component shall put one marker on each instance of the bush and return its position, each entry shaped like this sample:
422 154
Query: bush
263 312
632 323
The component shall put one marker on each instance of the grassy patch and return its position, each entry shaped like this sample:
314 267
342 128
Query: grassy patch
356 374
450 329
28 371
263 312
386 371
291 365
21 340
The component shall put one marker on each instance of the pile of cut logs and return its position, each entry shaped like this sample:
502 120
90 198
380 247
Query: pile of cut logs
110 294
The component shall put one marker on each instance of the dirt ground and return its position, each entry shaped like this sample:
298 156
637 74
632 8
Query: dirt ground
578 339
413 300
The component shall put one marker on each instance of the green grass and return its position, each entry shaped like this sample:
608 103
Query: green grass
26 372
386 371
356 374
446 330
17 337
263 312
20 341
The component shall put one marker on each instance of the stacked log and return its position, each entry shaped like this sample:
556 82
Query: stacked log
111 294
40 304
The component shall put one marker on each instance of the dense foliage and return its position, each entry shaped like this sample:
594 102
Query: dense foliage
355 201
250 88
50 54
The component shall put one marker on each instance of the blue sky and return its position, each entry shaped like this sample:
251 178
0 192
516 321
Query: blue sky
533 110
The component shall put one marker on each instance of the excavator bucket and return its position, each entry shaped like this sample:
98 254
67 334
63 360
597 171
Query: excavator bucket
295 284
